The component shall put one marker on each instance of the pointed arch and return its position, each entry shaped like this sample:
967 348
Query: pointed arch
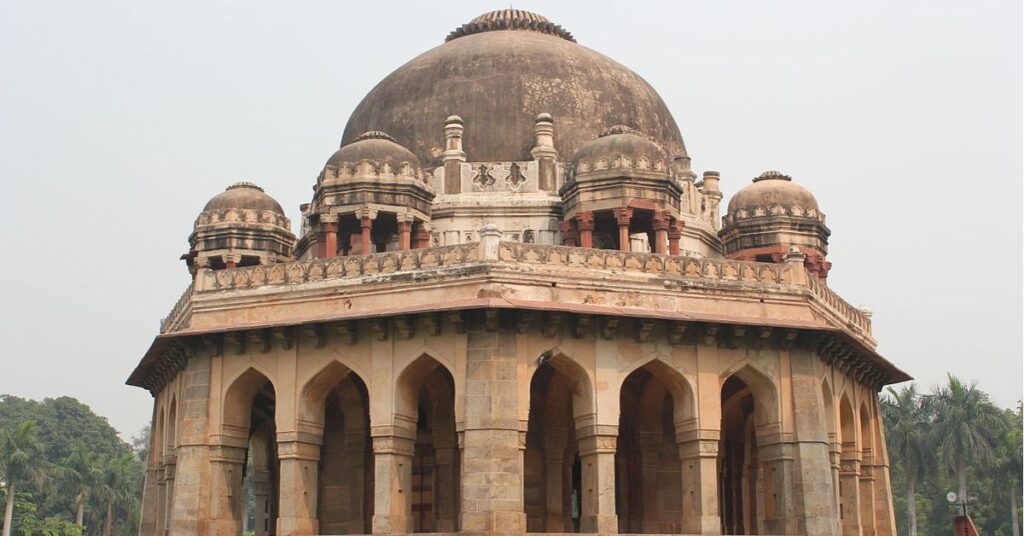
157 447
674 380
866 436
580 383
239 397
847 424
762 386
828 410
171 432
314 392
410 381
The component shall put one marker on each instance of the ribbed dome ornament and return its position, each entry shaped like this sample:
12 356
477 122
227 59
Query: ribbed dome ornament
510 19
772 175
375 135
620 129
243 184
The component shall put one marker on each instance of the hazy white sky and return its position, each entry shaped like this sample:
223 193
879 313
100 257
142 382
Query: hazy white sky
119 119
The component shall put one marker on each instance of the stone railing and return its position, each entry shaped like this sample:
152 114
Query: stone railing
339 267
841 307
178 316
649 263
492 250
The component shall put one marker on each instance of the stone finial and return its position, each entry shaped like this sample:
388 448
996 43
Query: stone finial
490 236
711 179
866 311
453 128
544 131
681 168
795 255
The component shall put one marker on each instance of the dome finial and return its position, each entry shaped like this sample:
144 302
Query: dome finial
772 175
510 19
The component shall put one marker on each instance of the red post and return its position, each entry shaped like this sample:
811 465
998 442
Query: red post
585 224
570 236
330 223
661 223
404 234
623 215
675 232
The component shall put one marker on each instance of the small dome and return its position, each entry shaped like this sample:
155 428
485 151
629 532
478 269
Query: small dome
620 142
377 147
243 196
770 189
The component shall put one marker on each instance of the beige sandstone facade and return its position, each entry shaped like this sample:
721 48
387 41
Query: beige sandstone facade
552 334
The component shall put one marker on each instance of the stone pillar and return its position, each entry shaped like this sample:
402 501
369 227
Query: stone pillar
405 222
170 462
849 491
675 232
227 464
866 483
713 195
366 217
775 460
597 459
447 481
570 237
585 226
392 481
299 467
492 468
623 215
192 489
330 224
231 261
421 235
262 484
554 473
544 153
661 225
453 156
650 465
150 510
698 454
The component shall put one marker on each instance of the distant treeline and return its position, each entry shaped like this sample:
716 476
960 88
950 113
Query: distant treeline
70 472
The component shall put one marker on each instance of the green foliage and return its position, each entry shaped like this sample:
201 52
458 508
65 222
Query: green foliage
949 437
77 457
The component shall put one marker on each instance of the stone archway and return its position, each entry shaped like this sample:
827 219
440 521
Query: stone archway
425 406
249 424
553 481
649 482
849 470
337 400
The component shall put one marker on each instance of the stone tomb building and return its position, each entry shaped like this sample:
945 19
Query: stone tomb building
514 308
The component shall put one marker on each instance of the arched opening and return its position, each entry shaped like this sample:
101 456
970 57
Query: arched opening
648 483
345 474
834 446
426 402
866 481
249 407
156 454
553 480
849 503
739 473
169 456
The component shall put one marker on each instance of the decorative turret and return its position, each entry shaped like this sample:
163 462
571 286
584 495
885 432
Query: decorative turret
769 216
242 226
371 196
622 194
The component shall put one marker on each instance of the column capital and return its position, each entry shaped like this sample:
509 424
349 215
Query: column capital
328 217
623 215
397 445
662 220
366 213
585 221
698 448
598 444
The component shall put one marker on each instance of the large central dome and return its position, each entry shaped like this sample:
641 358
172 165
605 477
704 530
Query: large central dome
498 72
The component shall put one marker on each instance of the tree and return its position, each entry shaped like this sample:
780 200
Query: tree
1006 470
964 428
22 462
906 431
84 475
117 490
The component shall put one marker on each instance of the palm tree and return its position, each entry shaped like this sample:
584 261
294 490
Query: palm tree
964 428
117 488
84 475
906 430
1006 471
21 461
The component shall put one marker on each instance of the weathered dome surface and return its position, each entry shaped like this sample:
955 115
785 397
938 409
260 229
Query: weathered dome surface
374 146
498 80
621 141
770 189
243 196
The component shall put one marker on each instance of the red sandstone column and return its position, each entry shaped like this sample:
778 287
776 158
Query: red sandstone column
330 223
231 261
623 215
366 217
404 232
585 224
569 234
675 232
421 236
661 223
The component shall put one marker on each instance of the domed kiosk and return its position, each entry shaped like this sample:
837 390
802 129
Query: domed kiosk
513 309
